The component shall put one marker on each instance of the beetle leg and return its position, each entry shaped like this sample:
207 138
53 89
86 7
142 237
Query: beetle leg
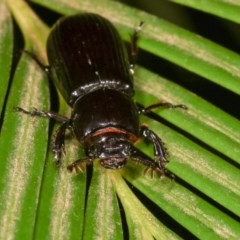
46 69
160 153
78 164
140 157
146 110
58 145
39 113
134 40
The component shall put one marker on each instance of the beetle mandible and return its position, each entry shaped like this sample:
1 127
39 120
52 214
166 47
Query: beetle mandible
90 66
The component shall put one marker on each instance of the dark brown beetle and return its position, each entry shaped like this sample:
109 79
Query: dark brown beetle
90 67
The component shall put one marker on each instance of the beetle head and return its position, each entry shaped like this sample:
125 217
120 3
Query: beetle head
112 149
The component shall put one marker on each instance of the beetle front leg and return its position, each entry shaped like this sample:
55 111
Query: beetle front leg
160 153
77 165
142 158
59 142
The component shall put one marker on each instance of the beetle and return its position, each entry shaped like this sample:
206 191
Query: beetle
89 64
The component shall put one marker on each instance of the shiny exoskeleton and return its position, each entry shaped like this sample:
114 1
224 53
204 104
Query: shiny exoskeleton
89 64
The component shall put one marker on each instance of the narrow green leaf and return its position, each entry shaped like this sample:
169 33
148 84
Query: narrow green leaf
143 225
22 160
6 43
222 8
35 32
194 213
62 200
103 219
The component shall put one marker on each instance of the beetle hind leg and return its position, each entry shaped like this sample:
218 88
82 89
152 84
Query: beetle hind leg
45 68
134 40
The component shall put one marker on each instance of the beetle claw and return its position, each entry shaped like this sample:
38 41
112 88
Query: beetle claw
76 166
